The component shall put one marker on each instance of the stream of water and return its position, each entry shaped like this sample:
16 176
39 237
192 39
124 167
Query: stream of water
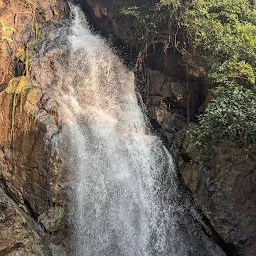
127 201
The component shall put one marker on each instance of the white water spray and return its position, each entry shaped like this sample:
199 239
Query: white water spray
126 199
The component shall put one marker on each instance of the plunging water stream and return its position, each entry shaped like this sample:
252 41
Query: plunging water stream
127 201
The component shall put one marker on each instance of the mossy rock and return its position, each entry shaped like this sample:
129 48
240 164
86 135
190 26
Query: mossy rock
53 218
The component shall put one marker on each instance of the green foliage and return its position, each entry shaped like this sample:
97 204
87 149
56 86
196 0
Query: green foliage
147 21
231 116
221 34
218 34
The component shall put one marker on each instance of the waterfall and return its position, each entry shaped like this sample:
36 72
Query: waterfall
127 201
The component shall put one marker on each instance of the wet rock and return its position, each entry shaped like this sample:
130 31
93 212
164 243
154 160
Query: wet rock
52 218
222 180
17 237
57 250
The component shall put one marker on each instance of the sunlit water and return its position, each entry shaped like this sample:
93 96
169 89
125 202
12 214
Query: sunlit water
127 201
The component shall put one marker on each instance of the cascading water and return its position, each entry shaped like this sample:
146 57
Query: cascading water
127 201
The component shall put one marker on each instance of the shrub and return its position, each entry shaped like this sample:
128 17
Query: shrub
231 116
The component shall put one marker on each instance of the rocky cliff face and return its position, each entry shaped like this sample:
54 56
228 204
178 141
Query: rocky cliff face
17 237
222 180
32 172
31 165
